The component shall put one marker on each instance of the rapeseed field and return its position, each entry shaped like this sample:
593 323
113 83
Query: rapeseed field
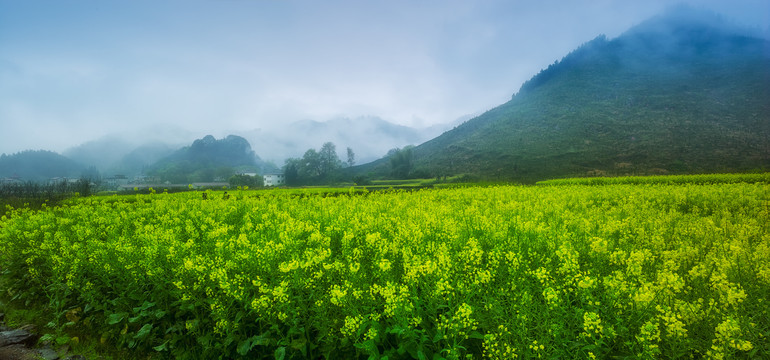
505 272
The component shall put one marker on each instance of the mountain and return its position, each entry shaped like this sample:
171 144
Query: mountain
370 137
102 153
140 158
684 92
129 153
39 166
208 159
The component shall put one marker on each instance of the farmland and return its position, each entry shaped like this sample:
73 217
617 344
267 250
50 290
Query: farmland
562 271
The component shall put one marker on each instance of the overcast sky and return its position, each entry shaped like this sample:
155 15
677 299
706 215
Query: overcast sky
75 70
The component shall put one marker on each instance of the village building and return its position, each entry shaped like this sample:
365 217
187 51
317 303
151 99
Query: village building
273 179
116 181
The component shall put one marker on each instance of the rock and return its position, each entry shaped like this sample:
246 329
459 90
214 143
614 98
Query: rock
29 327
18 336
48 354
17 352
76 357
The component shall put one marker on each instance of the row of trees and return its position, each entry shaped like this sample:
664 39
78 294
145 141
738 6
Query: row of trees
52 191
246 180
324 166
317 167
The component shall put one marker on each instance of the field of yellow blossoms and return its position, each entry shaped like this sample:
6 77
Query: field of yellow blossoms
558 272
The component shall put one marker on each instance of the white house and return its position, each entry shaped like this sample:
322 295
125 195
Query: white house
116 181
273 179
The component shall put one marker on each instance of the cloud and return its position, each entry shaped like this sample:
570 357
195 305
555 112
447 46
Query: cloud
75 70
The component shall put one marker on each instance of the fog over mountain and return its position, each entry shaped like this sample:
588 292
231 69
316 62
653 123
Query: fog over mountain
131 151
684 92
370 137
75 71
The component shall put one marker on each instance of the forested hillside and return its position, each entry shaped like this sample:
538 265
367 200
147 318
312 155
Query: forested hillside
684 92
207 159
39 165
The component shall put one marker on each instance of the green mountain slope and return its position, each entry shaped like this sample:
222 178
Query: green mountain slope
39 166
681 93
207 159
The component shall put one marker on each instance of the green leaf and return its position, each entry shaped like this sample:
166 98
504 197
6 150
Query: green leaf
438 337
476 335
298 344
134 319
280 353
161 347
262 340
246 345
159 314
61 340
143 332
145 305
116 318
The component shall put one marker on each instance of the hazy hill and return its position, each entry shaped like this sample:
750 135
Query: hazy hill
102 153
208 159
38 165
129 153
370 137
684 92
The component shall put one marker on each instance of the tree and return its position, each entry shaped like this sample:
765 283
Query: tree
351 157
314 167
311 164
291 171
401 162
246 180
329 162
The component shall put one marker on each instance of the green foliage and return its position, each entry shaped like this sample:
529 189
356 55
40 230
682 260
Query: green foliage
39 166
315 167
246 180
401 162
617 271
206 160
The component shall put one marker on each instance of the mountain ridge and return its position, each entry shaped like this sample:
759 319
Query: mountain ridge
666 96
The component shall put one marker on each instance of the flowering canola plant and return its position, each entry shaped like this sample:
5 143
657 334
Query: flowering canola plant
568 271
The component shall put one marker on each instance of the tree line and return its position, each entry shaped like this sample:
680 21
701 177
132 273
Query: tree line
317 167
324 166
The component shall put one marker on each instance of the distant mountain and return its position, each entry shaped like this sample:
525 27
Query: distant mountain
370 137
140 158
39 166
684 92
208 159
102 153
130 153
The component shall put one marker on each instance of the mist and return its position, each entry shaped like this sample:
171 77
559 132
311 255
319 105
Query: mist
131 74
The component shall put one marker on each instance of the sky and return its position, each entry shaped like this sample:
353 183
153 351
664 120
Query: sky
72 71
